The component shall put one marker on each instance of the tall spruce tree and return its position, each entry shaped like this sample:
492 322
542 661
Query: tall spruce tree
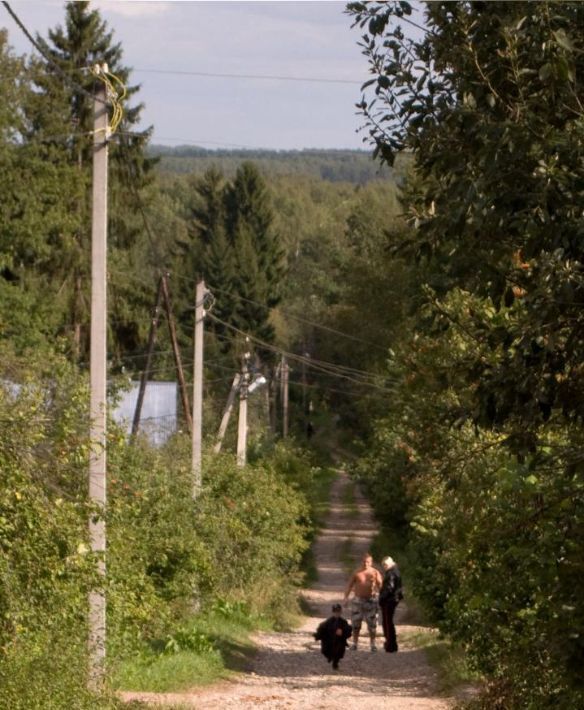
237 248
36 187
61 119
248 206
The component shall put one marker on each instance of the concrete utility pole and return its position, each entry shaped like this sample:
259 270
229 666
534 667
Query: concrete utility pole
242 423
227 413
198 386
97 377
285 371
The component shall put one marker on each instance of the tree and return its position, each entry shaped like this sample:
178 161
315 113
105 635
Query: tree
35 195
489 105
236 248
71 51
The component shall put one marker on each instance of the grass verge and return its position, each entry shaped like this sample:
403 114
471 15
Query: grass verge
447 658
210 648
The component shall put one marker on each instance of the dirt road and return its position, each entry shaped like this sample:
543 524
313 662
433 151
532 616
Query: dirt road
289 671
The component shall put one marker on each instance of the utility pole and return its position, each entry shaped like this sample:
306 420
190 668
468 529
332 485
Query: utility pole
97 378
176 351
242 423
227 413
305 354
198 386
285 371
273 398
144 378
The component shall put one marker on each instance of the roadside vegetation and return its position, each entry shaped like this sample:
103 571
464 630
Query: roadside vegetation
431 317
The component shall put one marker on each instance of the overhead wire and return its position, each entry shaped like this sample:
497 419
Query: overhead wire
46 55
316 362
306 359
257 303
326 368
289 315
101 73
262 77
115 101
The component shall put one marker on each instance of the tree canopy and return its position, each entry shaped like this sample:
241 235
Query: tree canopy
486 98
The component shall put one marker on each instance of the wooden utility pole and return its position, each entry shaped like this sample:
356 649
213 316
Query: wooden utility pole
176 351
242 423
305 354
97 378
146 372
273 398
285 371
227 413
198 386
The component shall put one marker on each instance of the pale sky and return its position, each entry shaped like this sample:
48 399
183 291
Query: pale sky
310 39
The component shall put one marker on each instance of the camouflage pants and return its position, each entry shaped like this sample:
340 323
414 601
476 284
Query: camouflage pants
364 609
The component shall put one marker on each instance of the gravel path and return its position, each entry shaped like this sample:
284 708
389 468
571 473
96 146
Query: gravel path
289 670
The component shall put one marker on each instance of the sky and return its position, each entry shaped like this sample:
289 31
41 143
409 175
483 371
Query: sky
164 41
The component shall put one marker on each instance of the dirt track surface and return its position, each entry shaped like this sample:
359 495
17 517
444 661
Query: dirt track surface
289 670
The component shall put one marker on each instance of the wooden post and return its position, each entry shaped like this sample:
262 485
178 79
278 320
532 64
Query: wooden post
285 371
144 378
198 387
227 413
273 398
98 381
242 423
176 351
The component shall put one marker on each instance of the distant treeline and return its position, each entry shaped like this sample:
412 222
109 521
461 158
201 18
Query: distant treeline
354 166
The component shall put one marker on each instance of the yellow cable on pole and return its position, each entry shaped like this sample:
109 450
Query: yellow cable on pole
115 95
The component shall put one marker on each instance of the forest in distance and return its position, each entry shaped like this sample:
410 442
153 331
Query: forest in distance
428 295
353 166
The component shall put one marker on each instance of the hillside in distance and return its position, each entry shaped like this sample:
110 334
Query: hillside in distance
353 166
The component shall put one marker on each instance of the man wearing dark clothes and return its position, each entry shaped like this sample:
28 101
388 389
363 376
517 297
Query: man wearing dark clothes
333 634
390 596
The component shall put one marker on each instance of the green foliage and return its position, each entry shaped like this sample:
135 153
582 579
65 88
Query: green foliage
45 186
233 554
248 518
487 372
45 571
236 249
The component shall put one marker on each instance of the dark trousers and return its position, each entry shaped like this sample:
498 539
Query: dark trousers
387 611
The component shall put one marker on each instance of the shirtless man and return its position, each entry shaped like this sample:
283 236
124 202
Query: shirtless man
365 584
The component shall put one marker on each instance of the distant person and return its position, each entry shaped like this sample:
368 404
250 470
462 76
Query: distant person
309 430
333 634
390 596
365 584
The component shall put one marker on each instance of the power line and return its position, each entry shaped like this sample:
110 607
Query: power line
290 315
261 77
315 363
263 305
49 59
319 366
